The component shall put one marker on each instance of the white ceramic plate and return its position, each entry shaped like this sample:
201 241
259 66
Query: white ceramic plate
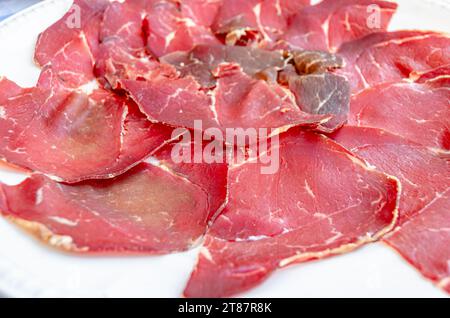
29 269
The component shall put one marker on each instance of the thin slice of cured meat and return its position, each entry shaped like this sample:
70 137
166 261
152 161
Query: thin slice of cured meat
83 19
177 102
210 176
419 112
168 31
237 102
422 171
122 53
326 94
71 68
440 75
201 12
317 90
73 136
203 60
255 103
422 235
424 240
329 24
313 62
262 21
115 63
125 22
322 201
150 209
388 57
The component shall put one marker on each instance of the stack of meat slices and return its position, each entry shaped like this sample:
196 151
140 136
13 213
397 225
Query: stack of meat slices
362 115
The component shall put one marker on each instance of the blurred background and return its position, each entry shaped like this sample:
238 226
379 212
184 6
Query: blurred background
9 7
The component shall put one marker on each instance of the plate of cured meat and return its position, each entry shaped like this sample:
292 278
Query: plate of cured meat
118 177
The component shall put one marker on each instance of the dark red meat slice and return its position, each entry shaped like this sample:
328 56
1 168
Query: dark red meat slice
297 219
275 15
201 12
263 21
202 61
61 33
150 209
115 63
419 112
388 57
211 177
310 62
422 236
122 53
238 102
317 90
244 102
125 22
71 68
422 172
177 102
321 93
331 23
168 31
438 76
325 94
74 136
423 241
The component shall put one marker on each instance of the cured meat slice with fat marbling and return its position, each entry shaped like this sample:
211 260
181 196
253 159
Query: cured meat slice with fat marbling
201 12
423 172
317 90
122 52
238 101
326 94
71 68
116 63
422 234
169 31
322 201
424 240
393 56
74 136
329 24
263 21
257 104
440 75
417 111
202 61
151 209
125 22
83 19
211 176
